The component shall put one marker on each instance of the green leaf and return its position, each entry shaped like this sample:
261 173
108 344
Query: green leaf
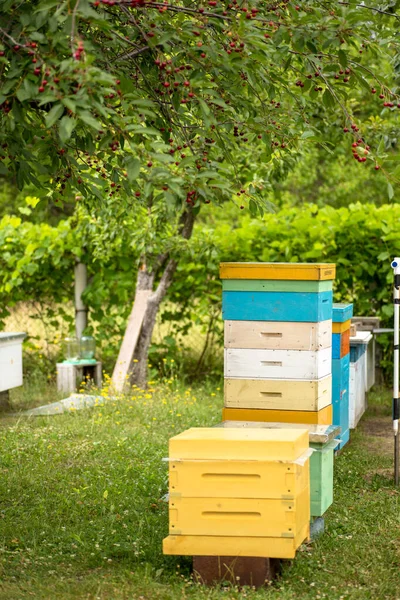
390 191
66 127
328 99
89 119
342 58
54 114
132 168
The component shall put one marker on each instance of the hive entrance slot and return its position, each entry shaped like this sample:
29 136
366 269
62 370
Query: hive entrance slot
271 394
226 476
271 334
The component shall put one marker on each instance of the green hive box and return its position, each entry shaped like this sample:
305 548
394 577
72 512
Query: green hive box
321 478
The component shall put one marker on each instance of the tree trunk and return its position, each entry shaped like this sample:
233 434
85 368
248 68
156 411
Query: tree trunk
137 370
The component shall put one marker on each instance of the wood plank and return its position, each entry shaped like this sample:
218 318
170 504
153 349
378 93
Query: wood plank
341 312
236 479
247 363
277 335
278 394
121 370
320 417
212 443
237 570
202 545
255 517
277 306
318 434
298 271
341 327
275 285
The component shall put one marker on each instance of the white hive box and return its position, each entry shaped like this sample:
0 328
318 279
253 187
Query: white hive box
10 360
277 364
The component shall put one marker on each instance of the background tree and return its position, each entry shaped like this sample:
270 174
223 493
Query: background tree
159 107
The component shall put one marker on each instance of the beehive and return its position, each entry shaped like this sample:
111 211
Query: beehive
278 341
321 478
341 317
238 492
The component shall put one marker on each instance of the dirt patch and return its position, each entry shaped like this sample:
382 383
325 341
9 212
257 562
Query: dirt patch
381 432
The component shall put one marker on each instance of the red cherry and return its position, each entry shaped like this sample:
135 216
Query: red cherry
137 194
345 129
41 89
166 84
149 164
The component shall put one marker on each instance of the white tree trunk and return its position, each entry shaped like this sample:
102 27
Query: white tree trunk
80 307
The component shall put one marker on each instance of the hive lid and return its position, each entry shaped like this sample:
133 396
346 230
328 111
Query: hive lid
318 434
251 443
341 312
294 271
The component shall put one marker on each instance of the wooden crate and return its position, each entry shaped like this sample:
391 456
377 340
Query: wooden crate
321 478
201 545
341 312
278 335
340 344
275 285
277 364
278 394
201 443
320 417
277 306
300 271
264 517
236 479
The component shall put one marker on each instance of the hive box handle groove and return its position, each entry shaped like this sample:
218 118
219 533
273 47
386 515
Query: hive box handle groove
271 363
231 475
271 334
235 515
271 394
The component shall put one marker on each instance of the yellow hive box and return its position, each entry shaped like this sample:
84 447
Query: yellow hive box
278 394
236 479
240 444
298 271
341 327
320 417
201 545
265 517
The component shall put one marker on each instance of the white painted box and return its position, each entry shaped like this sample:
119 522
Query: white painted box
278 335
10 360
277 364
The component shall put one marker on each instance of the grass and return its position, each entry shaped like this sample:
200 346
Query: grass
82 514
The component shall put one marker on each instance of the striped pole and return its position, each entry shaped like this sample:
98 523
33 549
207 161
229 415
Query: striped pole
396 306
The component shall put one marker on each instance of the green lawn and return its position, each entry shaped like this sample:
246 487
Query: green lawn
82 515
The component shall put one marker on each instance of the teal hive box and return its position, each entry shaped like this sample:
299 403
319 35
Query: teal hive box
341 312
301 307
321 478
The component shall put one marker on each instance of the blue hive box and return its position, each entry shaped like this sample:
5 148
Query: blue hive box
340 396
301 307
340 376
342 312
357 351
344 438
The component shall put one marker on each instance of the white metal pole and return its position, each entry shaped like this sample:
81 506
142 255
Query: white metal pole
396 305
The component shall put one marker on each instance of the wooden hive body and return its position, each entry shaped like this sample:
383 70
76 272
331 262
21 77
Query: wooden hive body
278 335
277 306
278 394
247 363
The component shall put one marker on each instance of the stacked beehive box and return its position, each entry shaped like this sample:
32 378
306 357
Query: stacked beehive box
341 317
238 492
278 342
